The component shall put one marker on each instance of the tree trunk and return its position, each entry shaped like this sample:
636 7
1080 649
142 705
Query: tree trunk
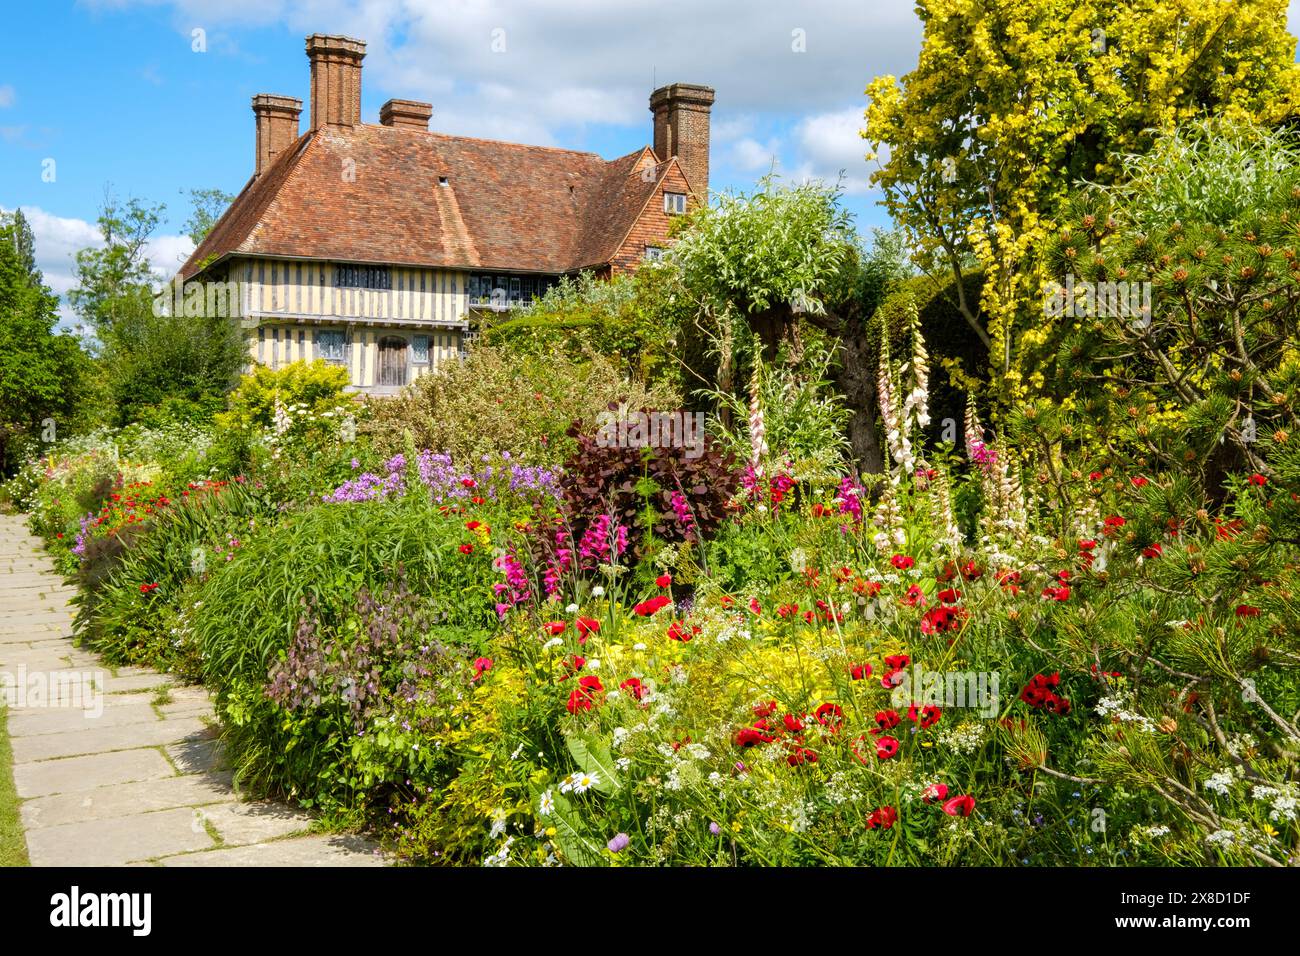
857 382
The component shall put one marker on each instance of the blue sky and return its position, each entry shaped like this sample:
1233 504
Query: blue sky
113 94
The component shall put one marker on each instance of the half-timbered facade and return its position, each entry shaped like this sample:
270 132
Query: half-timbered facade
374 246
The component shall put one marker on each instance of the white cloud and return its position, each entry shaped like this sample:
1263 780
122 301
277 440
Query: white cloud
829 144
502 68
7 96
58 239
750 156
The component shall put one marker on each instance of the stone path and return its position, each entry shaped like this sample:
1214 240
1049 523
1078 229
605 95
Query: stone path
121 766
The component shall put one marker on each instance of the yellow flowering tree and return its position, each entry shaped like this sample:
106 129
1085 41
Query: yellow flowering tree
1013 102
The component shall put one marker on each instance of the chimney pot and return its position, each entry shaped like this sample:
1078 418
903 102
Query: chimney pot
335 79
406 113
277 127
681 128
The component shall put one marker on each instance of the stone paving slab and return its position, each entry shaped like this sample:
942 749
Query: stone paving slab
43 777
119 840
120 778
123 800
101 740
315 850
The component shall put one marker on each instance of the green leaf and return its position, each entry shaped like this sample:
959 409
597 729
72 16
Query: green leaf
594 758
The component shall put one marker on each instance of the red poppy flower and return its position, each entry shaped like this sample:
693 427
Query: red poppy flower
754 606
481 666
759 733
883 818
554 628
897 661
893 679
647 608
927 716
1061 593
587 626
903 562
727 601
765 710
860 671
936 791
915 597
634 687
678 631
468 483
1258 480
473 525
1247 610
466 549
949 596
585 694
792 723
961 806
664 580
1139 482
830 715
1152 551
887 719
886 747
801 755
971 571
787 610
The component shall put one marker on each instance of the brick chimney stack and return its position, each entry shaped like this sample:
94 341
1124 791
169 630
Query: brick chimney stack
406 113
335 79
277 127
681 118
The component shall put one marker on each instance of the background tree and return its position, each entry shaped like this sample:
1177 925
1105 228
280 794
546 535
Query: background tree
41 370
152 364
207 205
781 257
1013 100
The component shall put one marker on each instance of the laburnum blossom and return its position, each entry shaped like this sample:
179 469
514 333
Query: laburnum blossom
961 806
935 792
585 694
481 666
647 608
883 818
633 687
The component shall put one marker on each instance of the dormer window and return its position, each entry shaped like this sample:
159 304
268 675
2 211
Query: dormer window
675 203
442 180
654 253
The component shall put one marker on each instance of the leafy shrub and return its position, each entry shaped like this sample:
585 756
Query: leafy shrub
499 400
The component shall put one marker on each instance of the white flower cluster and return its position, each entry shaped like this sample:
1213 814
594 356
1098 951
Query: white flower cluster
1283 800
1114 707
965 738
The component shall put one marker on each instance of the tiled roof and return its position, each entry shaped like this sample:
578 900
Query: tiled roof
372 194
